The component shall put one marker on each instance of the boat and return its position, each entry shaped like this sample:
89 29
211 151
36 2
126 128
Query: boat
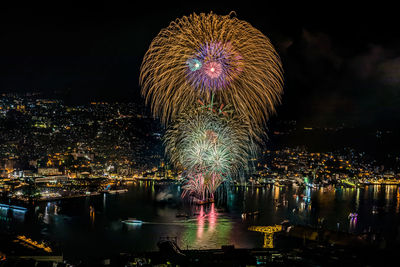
375 210
132 221
115 191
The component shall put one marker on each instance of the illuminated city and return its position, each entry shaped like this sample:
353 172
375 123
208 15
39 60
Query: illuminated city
220 135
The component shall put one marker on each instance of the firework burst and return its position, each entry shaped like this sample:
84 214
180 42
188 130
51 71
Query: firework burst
201 185
208 55
210 146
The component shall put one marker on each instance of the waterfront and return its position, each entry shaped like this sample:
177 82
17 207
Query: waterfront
91 227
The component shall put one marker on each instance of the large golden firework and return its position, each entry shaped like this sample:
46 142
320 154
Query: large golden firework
207 57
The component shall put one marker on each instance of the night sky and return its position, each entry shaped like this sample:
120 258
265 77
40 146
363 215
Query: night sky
341 62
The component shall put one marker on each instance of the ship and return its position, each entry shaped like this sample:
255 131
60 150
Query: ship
132 221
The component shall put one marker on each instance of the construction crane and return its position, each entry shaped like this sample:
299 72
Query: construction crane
268 233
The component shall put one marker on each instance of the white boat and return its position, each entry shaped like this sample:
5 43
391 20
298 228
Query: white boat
132 221
116 191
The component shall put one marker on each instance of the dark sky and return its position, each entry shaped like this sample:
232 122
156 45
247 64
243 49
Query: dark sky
341 62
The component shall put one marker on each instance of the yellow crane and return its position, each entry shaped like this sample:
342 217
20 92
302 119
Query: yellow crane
268 233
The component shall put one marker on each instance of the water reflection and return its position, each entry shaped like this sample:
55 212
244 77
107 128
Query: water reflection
353 224
212 218
92 214
376 189
276 193
104 201
358 199
210 229
207 214
389 194
398 201
97 221
200 222
46 216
